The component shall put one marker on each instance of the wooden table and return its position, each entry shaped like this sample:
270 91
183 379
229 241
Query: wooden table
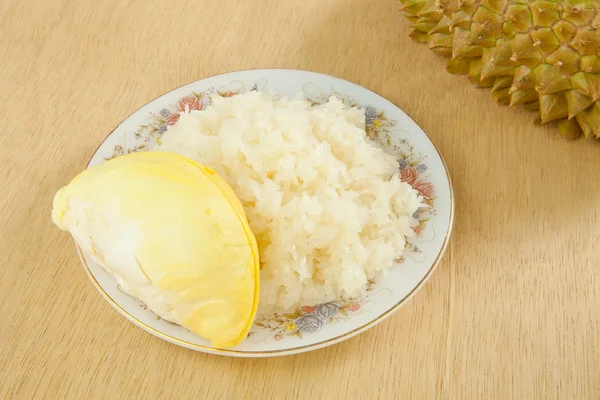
512 312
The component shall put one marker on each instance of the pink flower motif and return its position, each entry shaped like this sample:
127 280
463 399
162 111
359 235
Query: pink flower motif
409 175
191 102
418 229
354 307
425 188
308 309
278 336
172 119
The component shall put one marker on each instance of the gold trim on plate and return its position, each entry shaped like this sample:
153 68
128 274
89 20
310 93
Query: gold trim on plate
299 349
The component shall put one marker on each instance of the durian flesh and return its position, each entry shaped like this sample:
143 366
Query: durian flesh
173 234
544 55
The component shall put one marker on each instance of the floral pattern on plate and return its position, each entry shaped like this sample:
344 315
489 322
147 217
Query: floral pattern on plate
311 319
158 122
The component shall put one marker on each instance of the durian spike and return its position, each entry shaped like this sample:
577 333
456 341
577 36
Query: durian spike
501 96
589 120
469 6
588 84
412 6
475 75
523 96
553 107
441 43
577 102
484 14
544 13
500 89
545 40
525 51
569 129
490 68
590 64
502 82
419 37
451 6
459 66
502 54
565 60
486 33
460 19
443 26
564 31
496 5
424 25
523 79
550 80
479 35
518 15
462 45
586 41
578 13
432 9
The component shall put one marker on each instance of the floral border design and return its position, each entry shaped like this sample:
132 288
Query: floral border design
310 319
158 122
306 319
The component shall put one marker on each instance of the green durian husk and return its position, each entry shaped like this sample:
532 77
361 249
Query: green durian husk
550 80
462 45
577 102
544 13
586 83
424 25
443 26
564 31
590 64
500 89
523 79
564 59
419 37
569 129
490 69
458 66
589 120
523 96
553 107
475 74
412 7
541 54
545 40
519 17
441 43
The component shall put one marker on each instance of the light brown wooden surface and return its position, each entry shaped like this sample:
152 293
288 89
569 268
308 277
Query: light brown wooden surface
512 313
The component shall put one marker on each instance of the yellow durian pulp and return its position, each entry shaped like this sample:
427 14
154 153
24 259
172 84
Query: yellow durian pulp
174 235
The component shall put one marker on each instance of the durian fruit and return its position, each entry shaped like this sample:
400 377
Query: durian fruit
544 55
174 235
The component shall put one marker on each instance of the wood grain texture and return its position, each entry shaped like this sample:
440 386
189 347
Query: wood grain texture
513 312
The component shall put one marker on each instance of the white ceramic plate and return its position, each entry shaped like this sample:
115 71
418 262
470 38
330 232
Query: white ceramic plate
311 326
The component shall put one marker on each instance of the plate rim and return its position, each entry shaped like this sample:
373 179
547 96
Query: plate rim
303 348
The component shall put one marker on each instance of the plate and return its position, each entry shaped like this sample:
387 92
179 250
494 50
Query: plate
310 326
